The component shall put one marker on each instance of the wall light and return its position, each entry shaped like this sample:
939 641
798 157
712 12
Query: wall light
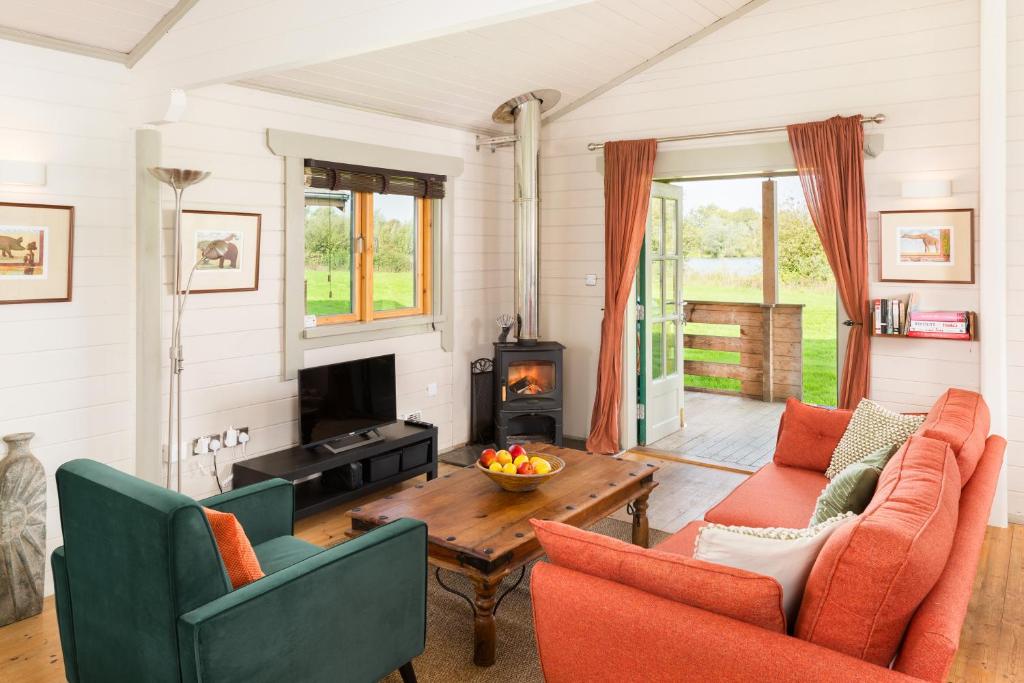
926 189
22 173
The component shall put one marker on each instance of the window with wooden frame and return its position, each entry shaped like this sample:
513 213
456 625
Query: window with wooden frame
368 242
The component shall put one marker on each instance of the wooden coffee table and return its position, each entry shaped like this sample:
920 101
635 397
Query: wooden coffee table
483 532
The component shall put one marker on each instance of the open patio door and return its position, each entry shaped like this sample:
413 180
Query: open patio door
659 313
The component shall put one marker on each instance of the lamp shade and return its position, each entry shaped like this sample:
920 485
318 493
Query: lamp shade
178 178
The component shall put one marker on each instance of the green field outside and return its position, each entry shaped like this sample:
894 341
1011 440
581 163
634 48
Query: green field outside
819 334
391 291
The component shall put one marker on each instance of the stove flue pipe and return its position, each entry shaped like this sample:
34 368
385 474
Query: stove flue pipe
524 113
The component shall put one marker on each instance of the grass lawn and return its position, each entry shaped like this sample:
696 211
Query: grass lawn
819 338
390 291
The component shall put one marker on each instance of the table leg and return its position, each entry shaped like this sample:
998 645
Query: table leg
484 635
641 529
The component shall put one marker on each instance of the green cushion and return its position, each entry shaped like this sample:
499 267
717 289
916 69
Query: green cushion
283 551
852 489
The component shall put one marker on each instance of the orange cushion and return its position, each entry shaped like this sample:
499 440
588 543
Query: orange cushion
734 593
684 541
808 435
873 573
235 549
961 419
772 496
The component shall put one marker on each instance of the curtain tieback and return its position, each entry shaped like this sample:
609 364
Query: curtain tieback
850 323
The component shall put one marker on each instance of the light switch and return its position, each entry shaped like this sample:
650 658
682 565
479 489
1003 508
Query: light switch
591 280
432 389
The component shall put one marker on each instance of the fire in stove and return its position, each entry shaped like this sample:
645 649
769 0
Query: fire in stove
530 379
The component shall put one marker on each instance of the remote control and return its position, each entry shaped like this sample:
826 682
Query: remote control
418 423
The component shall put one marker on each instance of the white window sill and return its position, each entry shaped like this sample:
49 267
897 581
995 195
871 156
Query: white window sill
345 333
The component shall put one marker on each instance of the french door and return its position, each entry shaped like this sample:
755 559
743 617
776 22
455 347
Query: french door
660 311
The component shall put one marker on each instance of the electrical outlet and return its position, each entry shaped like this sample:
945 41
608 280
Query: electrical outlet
432 389
415 415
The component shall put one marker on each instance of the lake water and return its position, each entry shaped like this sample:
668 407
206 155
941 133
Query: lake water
725 266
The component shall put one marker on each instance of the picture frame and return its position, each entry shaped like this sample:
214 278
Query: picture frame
926 246
36 253
224 249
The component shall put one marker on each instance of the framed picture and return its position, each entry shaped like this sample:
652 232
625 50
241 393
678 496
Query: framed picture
224 249
926 246
36 244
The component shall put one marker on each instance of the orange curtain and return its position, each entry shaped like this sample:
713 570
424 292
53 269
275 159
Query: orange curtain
628 173
830 160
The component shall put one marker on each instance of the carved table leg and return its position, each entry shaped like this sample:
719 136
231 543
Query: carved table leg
641 530
484 636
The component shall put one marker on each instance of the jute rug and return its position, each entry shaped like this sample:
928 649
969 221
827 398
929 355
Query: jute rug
449 653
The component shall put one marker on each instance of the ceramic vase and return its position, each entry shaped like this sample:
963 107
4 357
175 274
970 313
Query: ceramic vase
22 530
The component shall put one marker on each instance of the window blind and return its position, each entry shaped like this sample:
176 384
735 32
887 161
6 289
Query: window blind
328 175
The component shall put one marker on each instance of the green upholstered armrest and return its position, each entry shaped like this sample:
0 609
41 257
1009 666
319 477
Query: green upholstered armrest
266 509
354 612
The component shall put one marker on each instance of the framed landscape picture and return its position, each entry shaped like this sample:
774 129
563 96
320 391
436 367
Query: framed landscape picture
926 246
36 244
224 249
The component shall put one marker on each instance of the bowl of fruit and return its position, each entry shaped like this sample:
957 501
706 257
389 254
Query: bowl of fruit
517 470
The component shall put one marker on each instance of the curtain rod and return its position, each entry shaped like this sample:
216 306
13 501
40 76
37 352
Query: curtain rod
877 118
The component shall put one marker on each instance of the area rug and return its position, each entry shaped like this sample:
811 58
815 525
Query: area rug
449 653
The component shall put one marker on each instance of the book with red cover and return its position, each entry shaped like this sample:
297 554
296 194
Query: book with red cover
939 335
940 316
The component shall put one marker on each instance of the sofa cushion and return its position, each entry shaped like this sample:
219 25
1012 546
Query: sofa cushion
235 549
284 551
786 554
808 435
683 541
874 572
734 593
772 496
871 427
853 488
961 419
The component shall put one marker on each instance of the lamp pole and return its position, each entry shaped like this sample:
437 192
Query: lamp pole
178 179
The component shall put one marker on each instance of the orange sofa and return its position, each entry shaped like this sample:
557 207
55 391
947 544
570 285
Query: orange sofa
594 629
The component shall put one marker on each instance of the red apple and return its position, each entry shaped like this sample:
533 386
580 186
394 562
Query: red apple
515 449
487 457
525 468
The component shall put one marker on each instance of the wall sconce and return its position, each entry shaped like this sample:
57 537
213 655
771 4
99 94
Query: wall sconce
22 173
926 189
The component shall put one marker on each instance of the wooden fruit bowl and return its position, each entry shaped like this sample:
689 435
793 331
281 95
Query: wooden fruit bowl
525 482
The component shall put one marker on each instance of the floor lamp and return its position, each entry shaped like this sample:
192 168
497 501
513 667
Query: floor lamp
178 179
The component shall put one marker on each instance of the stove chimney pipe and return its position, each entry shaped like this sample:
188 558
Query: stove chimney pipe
524 113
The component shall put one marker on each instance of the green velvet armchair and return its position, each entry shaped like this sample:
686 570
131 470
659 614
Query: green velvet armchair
142 594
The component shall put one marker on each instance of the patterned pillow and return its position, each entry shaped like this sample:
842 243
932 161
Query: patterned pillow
235 549
852 489
787 555
872 427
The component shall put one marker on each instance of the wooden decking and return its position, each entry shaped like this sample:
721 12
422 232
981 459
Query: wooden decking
727 430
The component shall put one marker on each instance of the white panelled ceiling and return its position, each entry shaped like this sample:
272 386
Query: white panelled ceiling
459 79
116 25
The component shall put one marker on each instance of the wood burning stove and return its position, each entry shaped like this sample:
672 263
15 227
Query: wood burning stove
528 393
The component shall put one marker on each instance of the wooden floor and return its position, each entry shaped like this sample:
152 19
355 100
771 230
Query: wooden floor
732 430
991 649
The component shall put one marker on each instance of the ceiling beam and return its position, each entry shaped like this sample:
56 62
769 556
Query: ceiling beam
49 42
161 28
676 48
218 46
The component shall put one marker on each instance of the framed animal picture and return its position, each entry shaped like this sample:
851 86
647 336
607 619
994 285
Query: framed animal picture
220 251
36 245
926 246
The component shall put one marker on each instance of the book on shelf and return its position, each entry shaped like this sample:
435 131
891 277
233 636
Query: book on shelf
940 316
939 335
935 326
890 316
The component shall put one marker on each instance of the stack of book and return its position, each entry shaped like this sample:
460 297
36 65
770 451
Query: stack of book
890 316
940 324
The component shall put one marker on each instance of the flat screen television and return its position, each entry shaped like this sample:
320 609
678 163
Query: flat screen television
343 399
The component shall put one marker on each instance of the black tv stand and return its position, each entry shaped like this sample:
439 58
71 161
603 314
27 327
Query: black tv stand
350 441
403 451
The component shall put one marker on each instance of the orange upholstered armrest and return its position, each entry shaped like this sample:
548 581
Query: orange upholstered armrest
595 630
